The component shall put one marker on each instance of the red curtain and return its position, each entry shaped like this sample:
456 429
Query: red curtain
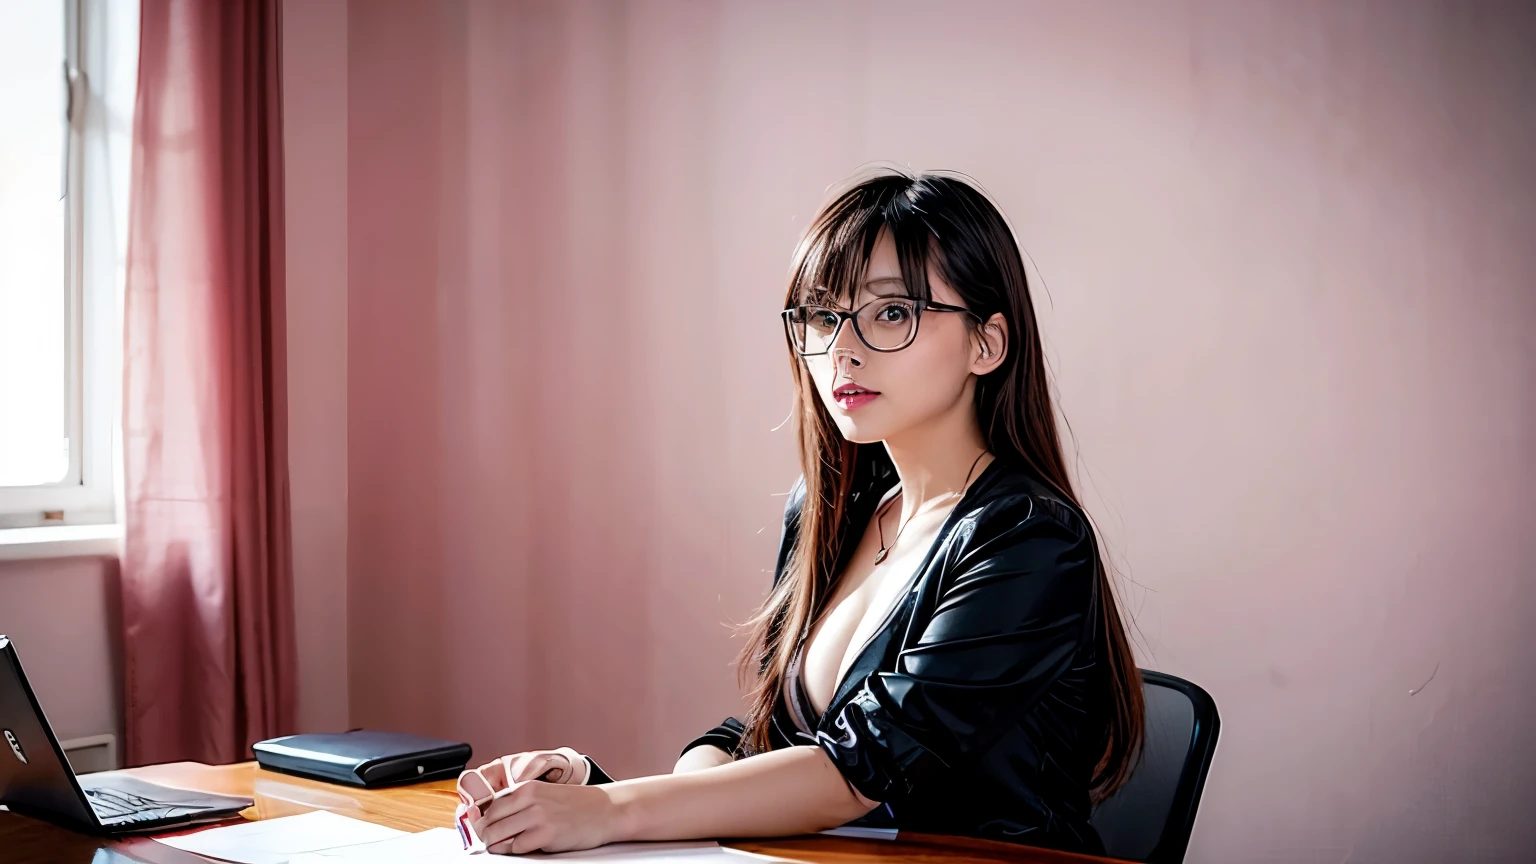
207 571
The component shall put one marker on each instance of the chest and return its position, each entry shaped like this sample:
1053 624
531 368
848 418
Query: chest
863 597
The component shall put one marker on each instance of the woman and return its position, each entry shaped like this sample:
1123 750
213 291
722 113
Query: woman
941 651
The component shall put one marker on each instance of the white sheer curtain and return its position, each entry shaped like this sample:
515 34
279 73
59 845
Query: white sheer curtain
106 86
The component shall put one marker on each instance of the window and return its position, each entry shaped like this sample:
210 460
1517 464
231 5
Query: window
66 79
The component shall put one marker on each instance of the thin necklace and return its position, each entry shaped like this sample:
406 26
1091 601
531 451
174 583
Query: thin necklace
880 516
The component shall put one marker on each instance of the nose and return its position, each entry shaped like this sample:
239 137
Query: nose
846 346
840 355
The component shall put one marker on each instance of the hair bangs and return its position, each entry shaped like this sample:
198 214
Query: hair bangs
834 258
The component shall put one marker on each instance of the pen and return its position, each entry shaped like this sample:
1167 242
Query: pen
461 822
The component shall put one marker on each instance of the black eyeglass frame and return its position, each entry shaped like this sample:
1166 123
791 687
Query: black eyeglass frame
919 307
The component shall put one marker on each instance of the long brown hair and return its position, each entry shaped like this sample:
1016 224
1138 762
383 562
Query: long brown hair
939 220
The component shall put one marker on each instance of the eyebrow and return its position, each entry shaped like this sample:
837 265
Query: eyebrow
883 279
896 279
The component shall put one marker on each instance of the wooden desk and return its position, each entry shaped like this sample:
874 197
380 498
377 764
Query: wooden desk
431 805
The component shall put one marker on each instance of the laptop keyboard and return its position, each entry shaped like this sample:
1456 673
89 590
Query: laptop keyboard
116 807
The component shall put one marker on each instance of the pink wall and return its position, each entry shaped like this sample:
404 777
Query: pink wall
63 615
1289 309
315 181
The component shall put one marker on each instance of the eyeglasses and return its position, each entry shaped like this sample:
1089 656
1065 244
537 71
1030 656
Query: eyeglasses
883 324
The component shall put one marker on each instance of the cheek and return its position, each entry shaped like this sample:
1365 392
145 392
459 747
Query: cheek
923 372
821 374
925 378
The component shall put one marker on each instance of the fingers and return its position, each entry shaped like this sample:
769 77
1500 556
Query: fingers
478 786
533 766
481 784
533 817
508 803
511 814
474 788
531 840
576 769
513 832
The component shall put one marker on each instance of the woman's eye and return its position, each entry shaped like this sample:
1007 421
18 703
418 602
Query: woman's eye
894 313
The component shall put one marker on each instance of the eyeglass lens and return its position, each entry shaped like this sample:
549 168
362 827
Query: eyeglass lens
884 324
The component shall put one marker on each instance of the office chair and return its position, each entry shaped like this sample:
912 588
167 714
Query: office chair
1150 817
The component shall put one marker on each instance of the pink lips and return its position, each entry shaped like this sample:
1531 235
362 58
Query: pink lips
850 396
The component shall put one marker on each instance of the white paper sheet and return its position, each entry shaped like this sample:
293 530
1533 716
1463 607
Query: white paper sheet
429 847
277 841
442 846
691 852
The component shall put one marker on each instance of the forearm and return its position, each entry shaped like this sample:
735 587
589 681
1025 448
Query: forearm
700 757
791 791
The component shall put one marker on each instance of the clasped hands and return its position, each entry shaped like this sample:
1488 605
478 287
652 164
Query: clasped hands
534 801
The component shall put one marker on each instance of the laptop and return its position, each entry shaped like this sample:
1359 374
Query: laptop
36 780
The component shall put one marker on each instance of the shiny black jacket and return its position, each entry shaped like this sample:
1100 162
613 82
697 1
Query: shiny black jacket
980 707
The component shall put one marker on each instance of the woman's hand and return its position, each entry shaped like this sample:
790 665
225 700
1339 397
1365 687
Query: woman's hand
564 765
549 817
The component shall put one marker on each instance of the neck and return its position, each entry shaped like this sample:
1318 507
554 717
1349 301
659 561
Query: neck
932 461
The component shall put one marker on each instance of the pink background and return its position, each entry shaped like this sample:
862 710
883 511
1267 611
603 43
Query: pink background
535 254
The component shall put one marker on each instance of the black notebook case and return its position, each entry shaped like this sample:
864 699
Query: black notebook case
363 757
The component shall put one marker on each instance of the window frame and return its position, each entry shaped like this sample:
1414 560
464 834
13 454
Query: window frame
86 495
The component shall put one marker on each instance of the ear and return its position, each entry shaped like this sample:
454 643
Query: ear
991 345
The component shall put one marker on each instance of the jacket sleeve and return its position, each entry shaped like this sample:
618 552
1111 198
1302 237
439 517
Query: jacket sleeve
726 736
1009 616
595 776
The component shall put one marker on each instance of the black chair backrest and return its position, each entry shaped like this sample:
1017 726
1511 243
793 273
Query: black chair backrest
1150 817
